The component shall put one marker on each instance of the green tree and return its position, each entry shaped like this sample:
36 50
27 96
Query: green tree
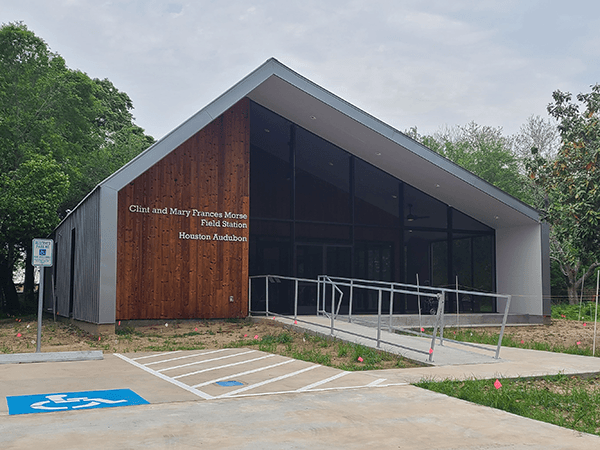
61 133
112 140
486 152
572 184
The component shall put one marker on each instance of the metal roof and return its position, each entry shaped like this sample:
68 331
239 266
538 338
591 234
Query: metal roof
280 89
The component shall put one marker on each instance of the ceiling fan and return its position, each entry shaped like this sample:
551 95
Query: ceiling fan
410 217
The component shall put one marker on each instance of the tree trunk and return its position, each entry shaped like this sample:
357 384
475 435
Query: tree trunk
29 278
7 287
572 292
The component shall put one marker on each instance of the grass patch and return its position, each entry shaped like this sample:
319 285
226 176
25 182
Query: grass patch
127 331
572 312
491 338
327 352
570 402
312 355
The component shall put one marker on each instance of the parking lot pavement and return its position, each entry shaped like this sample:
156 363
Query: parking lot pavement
395 417
181 376
247 399
211 374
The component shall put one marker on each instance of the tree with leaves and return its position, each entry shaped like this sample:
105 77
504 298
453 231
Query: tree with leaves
572 184
484 151
61 133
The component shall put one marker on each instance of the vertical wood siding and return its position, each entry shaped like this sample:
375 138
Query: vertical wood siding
161 275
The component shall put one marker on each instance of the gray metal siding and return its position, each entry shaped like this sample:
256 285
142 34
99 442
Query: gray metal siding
108 256
85 220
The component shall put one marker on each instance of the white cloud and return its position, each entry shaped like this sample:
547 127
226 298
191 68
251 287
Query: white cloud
406 62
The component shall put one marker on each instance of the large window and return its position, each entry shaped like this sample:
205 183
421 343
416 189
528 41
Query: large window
270 153
316 209
322 183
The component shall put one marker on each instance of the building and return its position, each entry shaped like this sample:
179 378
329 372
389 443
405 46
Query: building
279 176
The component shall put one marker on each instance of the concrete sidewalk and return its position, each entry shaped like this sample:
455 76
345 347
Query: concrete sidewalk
451 360
412 347
390 415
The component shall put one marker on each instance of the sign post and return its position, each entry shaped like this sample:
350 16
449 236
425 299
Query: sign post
41 256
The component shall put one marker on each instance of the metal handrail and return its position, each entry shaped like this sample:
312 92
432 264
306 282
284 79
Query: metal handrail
380 286
416 290
324 279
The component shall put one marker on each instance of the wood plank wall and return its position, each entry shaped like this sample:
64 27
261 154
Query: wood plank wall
162 274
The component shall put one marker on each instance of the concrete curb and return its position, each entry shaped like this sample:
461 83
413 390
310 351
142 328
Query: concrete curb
20 358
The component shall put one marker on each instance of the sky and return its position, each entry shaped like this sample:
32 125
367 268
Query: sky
410 63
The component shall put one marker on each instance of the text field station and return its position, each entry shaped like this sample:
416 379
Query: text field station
241 372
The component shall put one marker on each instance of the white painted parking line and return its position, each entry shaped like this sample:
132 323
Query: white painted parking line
229 377
272 380
205 361
155 356
222 367
194 391
377 382
314 383
326 380
336 388
186 356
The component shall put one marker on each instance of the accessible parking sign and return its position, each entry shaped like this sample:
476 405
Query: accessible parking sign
72 401
42 252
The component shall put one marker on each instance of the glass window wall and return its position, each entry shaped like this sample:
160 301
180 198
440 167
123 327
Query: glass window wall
316 209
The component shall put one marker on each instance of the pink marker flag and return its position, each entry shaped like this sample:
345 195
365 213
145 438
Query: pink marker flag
295 322
422 329
119 323
578 342
430 351
522 341
360 359
256 337
497 384
18 334
584 324
196 329
245 335
98 337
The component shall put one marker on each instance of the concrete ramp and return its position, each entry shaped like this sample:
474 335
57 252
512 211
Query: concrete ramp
411 347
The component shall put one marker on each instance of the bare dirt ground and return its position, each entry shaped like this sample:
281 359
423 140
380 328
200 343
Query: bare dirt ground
562 333
18 335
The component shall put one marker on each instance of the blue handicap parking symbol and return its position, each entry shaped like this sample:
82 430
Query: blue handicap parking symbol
72 401
229 383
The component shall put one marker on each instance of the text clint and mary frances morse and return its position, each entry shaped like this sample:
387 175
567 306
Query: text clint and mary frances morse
207 219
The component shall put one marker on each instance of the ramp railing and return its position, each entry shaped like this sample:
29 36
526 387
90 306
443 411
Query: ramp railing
420 292
436 298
